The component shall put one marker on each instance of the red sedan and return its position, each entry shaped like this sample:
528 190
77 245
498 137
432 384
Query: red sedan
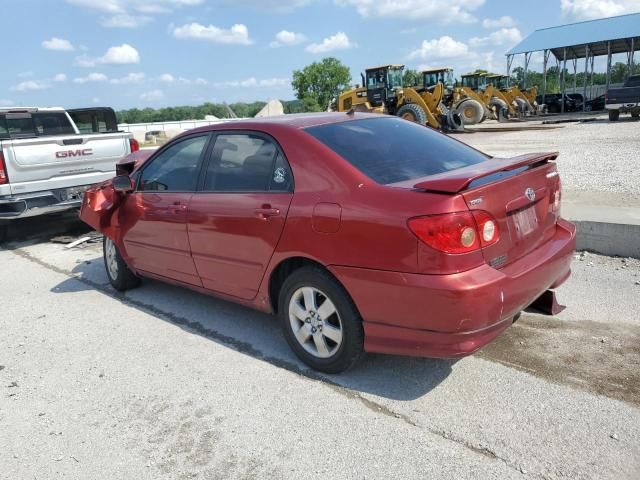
361 232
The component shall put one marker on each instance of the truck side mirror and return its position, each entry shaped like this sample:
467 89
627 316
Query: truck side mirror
122 184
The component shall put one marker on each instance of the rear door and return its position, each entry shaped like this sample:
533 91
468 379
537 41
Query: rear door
44 146
524 204
153 219
237 217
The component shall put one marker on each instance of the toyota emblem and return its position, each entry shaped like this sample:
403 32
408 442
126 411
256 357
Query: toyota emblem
530 194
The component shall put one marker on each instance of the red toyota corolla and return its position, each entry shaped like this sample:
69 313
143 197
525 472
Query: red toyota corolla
361 232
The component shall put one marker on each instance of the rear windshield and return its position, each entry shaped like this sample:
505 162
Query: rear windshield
633 81
99 120
42 124
390 150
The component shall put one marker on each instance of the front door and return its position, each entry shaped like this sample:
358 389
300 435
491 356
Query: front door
154 217
237 217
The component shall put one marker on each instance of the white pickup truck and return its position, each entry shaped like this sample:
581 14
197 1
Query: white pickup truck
49 156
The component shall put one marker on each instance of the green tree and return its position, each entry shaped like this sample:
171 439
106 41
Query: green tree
411 78
318 85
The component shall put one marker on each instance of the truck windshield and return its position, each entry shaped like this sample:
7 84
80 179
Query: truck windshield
390 150
395 78
94 120
40 124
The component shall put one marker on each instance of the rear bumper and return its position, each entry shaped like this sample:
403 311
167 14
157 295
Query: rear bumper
453 315
623 107
38 203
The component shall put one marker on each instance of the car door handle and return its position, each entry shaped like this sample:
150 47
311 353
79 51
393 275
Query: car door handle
266 211
177 208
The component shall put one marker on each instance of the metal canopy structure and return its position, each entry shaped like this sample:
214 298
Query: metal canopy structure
582 40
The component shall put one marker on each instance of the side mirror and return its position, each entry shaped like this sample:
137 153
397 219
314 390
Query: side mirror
122 184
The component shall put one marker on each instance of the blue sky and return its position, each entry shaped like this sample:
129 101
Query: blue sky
153 53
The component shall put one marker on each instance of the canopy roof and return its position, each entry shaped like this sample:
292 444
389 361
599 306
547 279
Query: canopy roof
575 36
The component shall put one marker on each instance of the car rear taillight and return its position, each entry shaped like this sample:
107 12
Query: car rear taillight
4 178
459 232
134 145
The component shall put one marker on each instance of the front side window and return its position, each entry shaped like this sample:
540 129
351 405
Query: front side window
246 163
176 168
376 79
395 78
390 150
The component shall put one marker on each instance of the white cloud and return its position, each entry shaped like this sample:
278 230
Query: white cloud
167 78
152 96
237 34
91 78
6 103
285 38
123 54
502 22
590 9
26 74
60 77
144 6
200 81
131 78
59 44
254 82
450 11
339 41
280 6
124 20
504 36
30 86
440 48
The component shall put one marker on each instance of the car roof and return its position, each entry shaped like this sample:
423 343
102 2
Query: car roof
295 121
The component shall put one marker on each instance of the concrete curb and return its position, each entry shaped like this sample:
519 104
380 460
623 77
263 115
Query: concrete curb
613 239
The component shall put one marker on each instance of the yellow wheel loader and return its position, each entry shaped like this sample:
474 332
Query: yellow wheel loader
493 98
461 100
382 92
523 100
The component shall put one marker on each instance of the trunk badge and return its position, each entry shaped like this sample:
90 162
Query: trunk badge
530 194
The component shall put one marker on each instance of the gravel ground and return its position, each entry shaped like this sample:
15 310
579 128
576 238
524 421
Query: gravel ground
595 157
162 382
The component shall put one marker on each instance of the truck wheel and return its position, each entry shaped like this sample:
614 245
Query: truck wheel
413 113
635 115
614 115
471 111
120 276
4 231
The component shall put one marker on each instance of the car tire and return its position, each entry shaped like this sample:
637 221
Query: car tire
306 320
471 111
413 113
4 232
120 275
614 115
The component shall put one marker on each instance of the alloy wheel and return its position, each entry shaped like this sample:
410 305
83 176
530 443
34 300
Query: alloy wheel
315 322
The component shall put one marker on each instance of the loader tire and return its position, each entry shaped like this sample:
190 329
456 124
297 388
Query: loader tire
499 108
523 106
471 111
413 113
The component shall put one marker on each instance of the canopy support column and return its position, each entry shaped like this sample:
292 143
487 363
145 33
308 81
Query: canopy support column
544 75
509 64
563 81
527 59
608 64
584 80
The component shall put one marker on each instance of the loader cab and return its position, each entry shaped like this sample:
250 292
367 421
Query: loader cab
474 81
382 83
498 81
430 78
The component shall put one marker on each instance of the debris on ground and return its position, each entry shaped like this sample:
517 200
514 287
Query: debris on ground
78 242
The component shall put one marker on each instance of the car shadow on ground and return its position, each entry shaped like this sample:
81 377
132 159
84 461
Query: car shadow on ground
41 229
258 335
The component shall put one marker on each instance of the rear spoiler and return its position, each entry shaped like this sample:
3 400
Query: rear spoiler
460 179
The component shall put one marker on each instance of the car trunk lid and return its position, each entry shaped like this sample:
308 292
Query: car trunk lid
520 193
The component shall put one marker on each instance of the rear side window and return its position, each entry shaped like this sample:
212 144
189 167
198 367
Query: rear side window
390 150
17 125
246 163
633 81
99 120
